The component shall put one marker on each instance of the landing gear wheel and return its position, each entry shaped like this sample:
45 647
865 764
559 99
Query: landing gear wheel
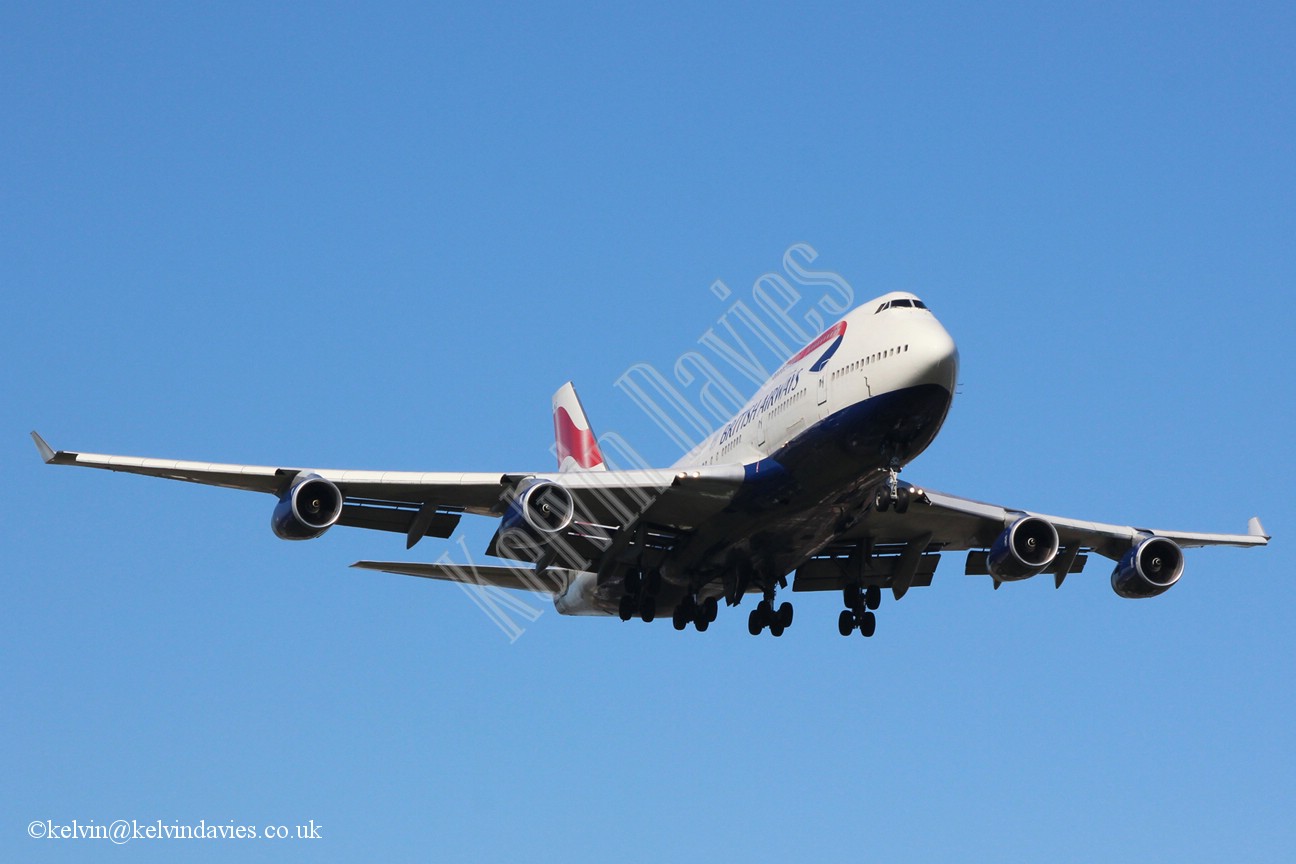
867 624
680 619
754 623
711 608
701 623
648 609
873 597
882 501
626 610
784 619
845 622
776 629
852 597
902 499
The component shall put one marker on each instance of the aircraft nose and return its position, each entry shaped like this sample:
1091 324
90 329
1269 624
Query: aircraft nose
938 359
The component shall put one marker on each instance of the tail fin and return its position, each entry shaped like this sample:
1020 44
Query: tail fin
578 450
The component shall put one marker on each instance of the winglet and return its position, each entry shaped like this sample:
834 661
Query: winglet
1255 529
47 453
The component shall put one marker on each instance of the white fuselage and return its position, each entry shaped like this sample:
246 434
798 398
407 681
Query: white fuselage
888 345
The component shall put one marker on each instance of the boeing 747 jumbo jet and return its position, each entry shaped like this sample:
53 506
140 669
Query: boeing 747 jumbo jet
800 489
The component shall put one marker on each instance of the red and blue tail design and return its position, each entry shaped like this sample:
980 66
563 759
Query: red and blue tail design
578 449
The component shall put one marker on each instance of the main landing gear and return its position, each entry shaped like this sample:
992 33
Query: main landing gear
700 614
640 601
765 615
860 606
640 597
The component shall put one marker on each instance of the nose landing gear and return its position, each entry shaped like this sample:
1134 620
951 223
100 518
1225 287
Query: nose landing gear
892 494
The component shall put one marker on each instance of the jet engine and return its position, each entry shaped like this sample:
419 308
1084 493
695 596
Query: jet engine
309 508
1149 569
540 507
538 514
1024 549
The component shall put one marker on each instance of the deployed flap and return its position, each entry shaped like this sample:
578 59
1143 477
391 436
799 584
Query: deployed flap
578 449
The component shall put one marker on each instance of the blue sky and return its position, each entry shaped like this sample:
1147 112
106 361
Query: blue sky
382 239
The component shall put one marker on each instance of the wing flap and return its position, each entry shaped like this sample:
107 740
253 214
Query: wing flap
398 517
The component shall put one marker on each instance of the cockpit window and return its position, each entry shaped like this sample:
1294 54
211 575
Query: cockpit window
902 303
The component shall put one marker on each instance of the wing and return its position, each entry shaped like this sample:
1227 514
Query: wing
423 504
960 523
901 550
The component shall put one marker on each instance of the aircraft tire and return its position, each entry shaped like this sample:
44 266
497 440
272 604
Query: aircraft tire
845 622
868 624
785 615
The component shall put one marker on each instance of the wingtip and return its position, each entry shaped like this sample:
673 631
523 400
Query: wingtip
1255 529
47 453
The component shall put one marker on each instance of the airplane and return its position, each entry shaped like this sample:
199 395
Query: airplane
803 482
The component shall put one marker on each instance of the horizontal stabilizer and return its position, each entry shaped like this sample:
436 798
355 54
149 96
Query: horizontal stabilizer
519 578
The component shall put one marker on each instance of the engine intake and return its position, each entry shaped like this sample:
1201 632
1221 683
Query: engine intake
1024 549
1149 569
539 511
309 508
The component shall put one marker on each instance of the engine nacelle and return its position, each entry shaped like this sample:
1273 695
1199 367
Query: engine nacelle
540 508
1024 549
1149 569
308 509
536 517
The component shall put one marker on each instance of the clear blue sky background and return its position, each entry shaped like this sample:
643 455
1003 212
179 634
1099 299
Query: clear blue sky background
382 238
